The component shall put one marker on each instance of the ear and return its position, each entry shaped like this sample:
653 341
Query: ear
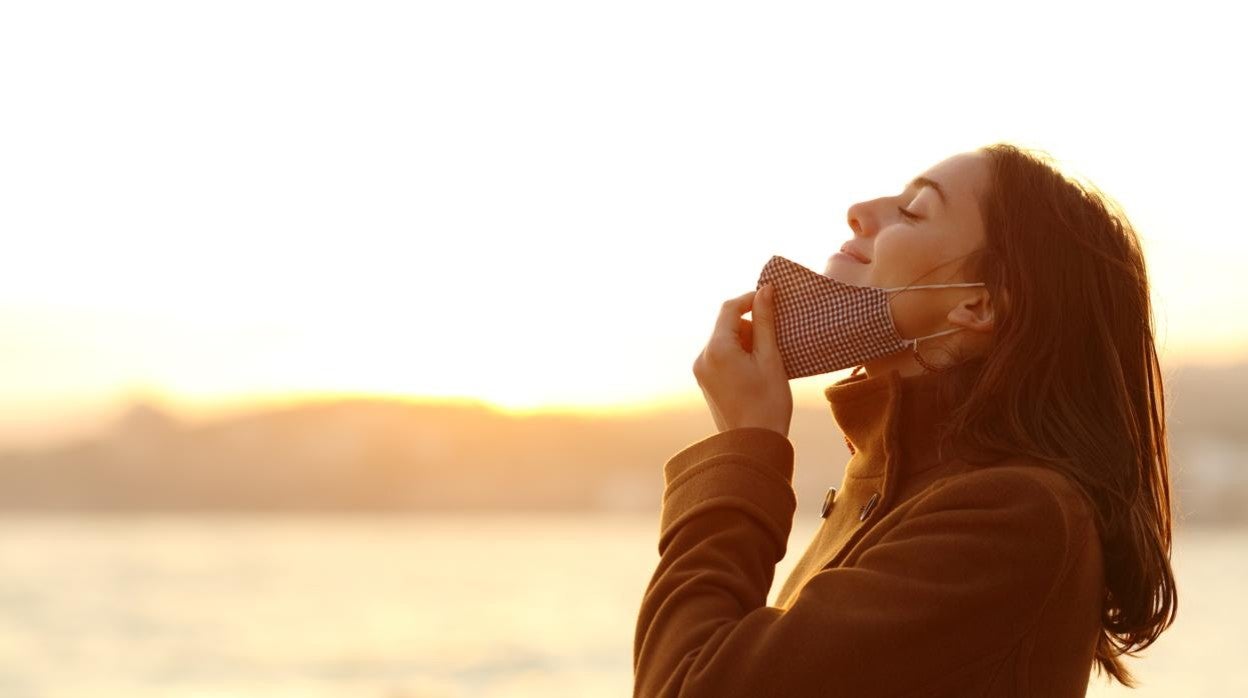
974 312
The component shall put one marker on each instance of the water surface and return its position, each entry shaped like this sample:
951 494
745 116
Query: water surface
420 606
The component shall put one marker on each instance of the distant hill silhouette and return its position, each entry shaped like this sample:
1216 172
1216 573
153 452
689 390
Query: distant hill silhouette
398 455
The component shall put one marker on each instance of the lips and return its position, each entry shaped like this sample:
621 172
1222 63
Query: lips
846 249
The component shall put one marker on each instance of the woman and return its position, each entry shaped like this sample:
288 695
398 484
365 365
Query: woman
1003 525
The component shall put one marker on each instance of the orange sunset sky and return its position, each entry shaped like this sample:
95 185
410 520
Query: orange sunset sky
537 209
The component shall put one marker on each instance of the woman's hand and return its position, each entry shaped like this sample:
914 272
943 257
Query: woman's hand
740 370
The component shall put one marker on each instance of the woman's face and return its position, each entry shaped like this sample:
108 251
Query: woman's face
927 247
924 247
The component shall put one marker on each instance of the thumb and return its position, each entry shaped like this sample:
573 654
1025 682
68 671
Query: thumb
764 313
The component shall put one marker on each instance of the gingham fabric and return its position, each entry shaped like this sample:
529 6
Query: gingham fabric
824 325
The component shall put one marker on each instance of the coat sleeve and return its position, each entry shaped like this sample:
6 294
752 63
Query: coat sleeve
952 586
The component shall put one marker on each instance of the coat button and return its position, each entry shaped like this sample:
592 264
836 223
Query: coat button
866 508
827 502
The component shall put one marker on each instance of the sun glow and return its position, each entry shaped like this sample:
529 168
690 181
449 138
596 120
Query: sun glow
527 212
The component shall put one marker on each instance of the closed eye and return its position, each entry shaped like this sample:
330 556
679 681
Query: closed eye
907 214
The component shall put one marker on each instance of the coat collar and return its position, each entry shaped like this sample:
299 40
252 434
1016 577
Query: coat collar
890 422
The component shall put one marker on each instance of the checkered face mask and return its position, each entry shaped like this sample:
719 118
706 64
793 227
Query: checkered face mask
824 325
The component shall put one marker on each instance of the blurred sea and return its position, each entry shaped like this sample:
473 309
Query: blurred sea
422 606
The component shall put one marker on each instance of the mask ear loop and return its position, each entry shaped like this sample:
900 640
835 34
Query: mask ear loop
957 285
915 346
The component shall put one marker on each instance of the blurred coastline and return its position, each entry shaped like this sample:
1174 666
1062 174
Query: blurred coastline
390 455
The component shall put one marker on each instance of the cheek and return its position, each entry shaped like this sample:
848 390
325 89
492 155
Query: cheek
904 256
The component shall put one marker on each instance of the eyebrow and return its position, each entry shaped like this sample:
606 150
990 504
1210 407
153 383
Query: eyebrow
925 182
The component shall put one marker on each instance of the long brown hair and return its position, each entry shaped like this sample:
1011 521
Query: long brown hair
1072 377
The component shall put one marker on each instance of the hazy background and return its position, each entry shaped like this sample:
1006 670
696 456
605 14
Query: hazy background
342 344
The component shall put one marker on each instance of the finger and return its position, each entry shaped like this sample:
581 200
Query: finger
765 322
745 334
726 326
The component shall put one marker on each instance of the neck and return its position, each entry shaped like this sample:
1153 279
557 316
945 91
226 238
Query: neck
902 362
937 351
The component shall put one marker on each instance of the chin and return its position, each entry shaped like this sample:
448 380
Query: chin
838 272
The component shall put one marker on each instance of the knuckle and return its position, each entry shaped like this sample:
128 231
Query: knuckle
713 354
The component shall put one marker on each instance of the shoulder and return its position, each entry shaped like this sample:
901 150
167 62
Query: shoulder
1023 491
1010 532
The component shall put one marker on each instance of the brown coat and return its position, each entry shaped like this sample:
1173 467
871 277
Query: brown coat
927 578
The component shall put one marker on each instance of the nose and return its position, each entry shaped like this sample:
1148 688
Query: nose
859 214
